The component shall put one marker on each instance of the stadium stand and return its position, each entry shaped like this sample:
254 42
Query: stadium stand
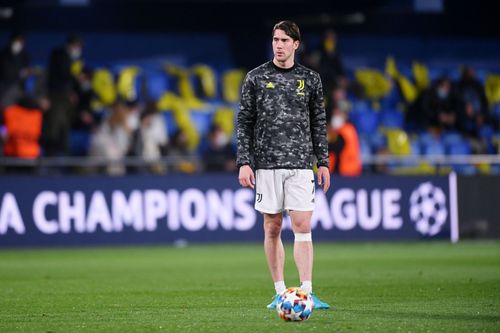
193 95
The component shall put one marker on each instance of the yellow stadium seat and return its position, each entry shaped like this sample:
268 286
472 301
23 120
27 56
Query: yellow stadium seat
421 75
374 82
492 88
169 102
126 83
186 90
391 68
408 89
206 75
224 118
423 168
104 87
398 142
231 85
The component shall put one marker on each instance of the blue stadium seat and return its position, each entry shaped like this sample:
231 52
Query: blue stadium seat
361 106
433 148
202 121
458 148
156 84
79 142
426 138
365 147
495 170
450 138
486 132
377 141
366 122
416 149
391 100
461 148
170 123
464 169
391 119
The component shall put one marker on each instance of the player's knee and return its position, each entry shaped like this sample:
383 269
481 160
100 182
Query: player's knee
302 226
272 228
273 232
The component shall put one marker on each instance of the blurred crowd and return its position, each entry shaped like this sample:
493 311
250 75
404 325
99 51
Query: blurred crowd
420 111
40 123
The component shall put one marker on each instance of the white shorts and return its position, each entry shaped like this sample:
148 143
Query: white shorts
284 189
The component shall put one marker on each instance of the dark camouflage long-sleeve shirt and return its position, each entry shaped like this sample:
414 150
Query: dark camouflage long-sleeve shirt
282 122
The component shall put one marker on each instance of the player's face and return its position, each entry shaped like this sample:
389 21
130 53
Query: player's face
283 46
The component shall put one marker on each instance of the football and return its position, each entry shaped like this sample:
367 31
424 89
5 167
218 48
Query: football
294 305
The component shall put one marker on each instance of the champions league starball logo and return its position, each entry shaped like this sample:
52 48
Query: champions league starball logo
428 209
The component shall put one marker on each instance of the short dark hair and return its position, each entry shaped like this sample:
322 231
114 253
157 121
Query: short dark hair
290 28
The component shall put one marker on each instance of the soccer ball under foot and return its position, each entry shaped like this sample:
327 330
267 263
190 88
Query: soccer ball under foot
294 304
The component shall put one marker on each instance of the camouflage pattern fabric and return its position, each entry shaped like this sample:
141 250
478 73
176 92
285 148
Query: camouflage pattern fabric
282 121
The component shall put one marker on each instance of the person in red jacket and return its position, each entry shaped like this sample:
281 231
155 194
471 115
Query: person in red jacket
343 146
23 126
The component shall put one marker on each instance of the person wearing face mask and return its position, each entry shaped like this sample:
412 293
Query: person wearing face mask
220 156
343 146
149 138
14 69
440 105
112 139
63 95
435 109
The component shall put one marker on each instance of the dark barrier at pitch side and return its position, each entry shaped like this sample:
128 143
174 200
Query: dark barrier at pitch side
478 212
73 210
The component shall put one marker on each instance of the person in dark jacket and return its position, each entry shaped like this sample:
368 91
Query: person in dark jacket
473 108
63 96
14 69
220 155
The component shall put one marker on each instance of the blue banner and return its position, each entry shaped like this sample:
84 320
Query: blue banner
74 210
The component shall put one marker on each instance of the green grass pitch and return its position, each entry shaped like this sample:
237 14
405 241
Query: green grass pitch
373 287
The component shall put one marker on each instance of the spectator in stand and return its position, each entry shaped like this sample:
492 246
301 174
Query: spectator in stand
220 155
343 145
178 149
85 118
473 103
23 127
63 95
14 69
112 139
339 101
331 67
150 140
436 108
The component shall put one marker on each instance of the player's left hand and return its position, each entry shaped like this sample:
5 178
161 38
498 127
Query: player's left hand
323 178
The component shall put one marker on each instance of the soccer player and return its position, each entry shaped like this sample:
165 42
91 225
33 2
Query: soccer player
281 131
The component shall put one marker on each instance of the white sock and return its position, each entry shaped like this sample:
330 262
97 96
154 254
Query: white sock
279 286
306 286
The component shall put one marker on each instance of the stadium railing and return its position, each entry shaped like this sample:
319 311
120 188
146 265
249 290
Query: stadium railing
396 164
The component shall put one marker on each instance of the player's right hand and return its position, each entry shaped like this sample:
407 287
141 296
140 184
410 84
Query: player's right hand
246 177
